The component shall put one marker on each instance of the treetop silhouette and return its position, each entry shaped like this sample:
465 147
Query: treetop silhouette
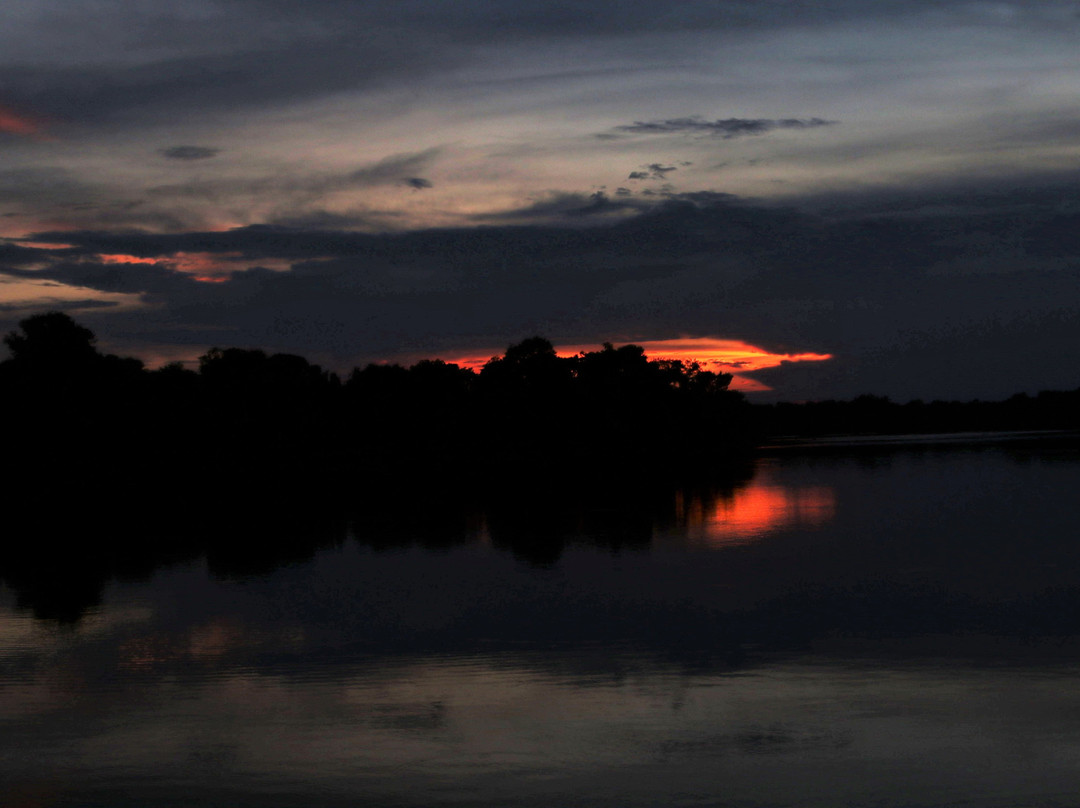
51 339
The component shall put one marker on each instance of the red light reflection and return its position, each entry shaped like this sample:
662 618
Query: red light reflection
750 513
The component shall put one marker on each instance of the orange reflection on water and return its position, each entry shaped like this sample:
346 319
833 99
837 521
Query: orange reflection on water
752 512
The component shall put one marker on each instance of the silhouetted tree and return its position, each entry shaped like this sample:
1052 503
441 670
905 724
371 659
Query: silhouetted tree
51 341
531 367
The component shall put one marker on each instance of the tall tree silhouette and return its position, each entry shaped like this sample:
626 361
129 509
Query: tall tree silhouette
51 341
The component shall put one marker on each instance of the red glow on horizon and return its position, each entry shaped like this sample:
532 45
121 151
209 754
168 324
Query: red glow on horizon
717 355
211 278
726 356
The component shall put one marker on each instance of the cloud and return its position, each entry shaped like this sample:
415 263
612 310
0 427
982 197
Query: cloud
15 255
419 183
179 61
653 171
288 67
190 152
187 61
287 195
726 128
562 206
393 169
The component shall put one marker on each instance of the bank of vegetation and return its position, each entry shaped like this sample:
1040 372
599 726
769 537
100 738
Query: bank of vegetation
66 403
71 410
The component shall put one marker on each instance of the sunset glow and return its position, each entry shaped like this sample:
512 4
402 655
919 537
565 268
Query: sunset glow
126 259
718 355
208 266
725 356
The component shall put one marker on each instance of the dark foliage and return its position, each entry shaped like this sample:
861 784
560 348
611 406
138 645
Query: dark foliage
107 463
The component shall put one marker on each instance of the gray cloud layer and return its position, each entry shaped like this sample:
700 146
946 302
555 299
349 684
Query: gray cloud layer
170 59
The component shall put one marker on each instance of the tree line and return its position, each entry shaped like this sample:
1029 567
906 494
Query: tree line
878 415
70 409
528 408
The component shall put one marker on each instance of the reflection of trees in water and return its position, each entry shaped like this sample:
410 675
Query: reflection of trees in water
58 560
59 572
257 460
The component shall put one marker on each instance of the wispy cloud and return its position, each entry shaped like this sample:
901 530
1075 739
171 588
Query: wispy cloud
725 128
294 188
189 152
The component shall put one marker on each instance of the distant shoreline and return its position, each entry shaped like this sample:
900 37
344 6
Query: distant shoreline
916 439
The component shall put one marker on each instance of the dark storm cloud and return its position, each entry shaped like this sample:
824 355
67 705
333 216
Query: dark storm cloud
190 152
956 293
725 128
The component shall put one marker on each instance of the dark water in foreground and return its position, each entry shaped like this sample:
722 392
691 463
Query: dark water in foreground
846 628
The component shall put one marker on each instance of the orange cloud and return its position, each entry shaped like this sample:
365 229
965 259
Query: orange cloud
44 245
126 259
205 267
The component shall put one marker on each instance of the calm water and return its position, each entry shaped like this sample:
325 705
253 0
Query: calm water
860 628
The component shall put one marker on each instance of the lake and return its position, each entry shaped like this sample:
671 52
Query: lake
842 625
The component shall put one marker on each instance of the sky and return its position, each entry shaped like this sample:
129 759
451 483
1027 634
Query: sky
891 185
